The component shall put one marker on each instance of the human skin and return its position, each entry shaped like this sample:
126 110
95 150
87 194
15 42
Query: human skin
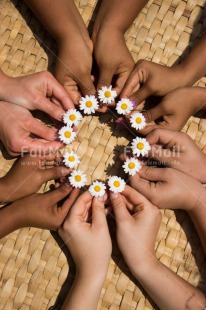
138 222
85 232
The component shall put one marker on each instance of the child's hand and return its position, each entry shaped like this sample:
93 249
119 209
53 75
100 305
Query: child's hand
168 188
177 150
38 210
28 174
137 223
175 109
16 127
113 59
73 68
86 234
39 91
149 79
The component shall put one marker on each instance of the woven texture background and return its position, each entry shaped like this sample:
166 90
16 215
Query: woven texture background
33 267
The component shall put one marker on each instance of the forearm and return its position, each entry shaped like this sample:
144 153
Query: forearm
8 220
60 17
167 289
84 294
194 66
118 14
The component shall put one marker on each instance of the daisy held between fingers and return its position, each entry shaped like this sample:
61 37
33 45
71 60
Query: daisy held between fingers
88 104
116 184
67 135
71 159
138 121
132 166
140 146
124 106
106 95
77 178
97 189
72 117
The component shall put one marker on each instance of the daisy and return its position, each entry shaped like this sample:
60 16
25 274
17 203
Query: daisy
71 159
72 117
137 121
124 106
77 178
107 95
116 184
140 146
132 166
97 189
88 104
67 135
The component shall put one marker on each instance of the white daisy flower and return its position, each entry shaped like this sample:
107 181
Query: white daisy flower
67 135
106 95
137 121
97 189
116 184
72 117
88 104
132 166
77 178
71 159
140 146
124 106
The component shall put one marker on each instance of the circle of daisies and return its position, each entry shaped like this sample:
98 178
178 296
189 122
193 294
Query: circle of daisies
89 105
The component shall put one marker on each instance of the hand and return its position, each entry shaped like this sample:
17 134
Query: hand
149 79
113 58
73 68
28 174
38 210
88 239
39 91
175 109
137 223
177 150
168 188
16 126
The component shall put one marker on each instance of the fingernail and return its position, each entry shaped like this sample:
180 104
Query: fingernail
100 198
114 195
133 104
65 171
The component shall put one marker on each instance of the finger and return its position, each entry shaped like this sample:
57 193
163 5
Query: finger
130 85
120 82
70 200
83 201
164 137
60 193
153 174
120 210
40 147
86 85
54 173
98 212
133 196
38 128
51 109
105 77
153 114
59 93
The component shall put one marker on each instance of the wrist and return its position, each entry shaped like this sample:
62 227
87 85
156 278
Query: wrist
107 30
4 191
199 204
145 267
9 220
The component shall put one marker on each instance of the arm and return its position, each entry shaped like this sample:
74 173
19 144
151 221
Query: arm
138 223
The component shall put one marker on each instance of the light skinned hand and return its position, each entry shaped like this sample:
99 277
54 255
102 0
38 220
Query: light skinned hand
177 150
168 188
17 126
28 174
39 91
85 232
138 222
149 79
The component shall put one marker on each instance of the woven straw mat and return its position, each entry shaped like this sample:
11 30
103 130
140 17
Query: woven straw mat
34 271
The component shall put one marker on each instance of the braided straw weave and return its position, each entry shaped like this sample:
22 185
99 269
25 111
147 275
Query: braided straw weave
33 267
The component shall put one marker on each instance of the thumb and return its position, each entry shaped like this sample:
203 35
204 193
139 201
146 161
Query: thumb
60 193
120 210
153 114
86 85
143 93
54 173
105 77
98 212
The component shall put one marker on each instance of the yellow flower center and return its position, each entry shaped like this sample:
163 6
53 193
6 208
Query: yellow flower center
72 117
97 188
138 120
116 183
107 94
71 158
78 178
140 146
67 134
89 104
131 165
124 106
